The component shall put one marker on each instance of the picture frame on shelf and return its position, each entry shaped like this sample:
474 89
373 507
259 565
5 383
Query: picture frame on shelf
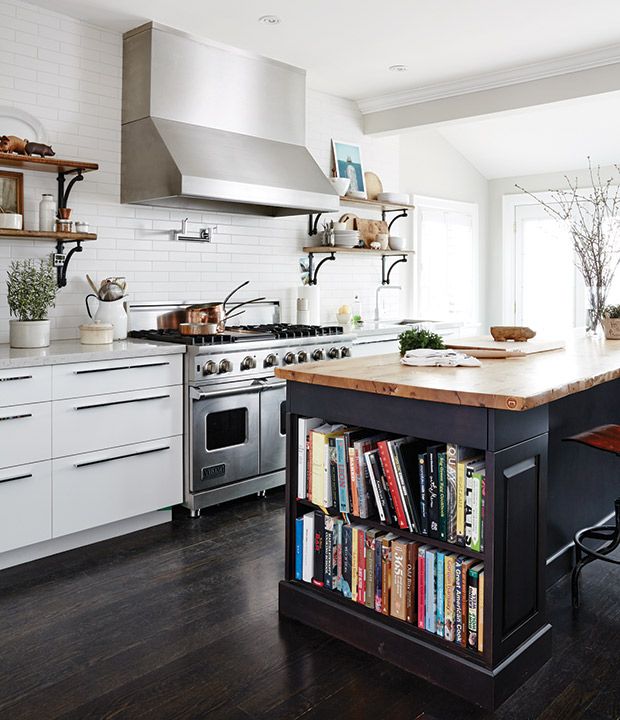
348 164
11 192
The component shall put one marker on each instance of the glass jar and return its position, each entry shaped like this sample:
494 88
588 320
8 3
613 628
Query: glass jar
47 213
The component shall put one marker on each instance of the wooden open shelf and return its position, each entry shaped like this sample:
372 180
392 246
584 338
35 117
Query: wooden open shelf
375 204
47 164
48 235
327 250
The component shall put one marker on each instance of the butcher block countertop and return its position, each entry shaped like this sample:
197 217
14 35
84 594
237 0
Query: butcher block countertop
513 384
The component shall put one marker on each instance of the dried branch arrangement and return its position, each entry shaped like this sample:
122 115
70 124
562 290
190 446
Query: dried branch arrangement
592 216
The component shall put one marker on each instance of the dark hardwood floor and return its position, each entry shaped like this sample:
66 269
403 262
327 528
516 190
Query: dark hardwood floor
180 621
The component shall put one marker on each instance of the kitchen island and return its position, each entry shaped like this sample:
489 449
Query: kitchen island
539 490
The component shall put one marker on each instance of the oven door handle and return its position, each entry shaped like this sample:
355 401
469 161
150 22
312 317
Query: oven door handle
197 395
274 386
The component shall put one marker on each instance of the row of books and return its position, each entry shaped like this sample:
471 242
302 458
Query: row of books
440 592
428 488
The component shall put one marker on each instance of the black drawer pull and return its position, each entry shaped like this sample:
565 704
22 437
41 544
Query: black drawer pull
16 477
121 457
15 417
123 367
16 377
121 402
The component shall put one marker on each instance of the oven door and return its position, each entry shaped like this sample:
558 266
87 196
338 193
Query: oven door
273 427
224 445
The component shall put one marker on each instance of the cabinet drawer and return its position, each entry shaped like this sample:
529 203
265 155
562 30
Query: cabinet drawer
25 505
102 487
25 433
110 376
25 385
102 421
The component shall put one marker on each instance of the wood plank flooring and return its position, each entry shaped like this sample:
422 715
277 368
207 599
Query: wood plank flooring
180 622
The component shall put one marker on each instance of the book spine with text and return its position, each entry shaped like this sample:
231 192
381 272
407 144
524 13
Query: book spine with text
458 600
389 473
481 611
329 550
337 555
319 549
449 606
386 566
361 566
472 605
410 582
355 506
442 486
400 484
440 555
354 553
308 549
421 586
343 495
397 599
347 560
431 597
423 482
378 573
433 494
299 545
451 457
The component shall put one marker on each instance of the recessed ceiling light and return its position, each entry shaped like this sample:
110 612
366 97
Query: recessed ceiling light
269 19
398 68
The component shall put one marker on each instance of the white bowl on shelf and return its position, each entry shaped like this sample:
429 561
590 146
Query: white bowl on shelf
10 221
340 185
396 198
356 194
397 243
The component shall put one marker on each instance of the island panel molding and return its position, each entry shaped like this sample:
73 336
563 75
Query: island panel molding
515 384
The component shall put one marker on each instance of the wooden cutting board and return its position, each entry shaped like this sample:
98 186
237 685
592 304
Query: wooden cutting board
518 348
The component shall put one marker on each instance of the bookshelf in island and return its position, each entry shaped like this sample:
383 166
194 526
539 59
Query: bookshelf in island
417 521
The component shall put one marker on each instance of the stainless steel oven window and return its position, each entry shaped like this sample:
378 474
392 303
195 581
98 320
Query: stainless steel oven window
226 428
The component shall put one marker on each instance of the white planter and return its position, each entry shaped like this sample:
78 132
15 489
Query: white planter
29 333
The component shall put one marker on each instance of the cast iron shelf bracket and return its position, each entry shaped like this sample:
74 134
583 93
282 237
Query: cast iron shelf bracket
63 195
61 261
313 220
312 271
403 214
385 277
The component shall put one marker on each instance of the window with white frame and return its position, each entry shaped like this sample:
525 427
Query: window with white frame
447 252
542 287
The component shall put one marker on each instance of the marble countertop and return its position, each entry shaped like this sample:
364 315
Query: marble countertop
70 351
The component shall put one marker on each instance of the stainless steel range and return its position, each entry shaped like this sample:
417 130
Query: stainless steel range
234 405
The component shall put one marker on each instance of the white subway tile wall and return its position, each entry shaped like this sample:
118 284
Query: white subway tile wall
68 75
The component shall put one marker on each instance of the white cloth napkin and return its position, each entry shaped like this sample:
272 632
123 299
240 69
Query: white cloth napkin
425 357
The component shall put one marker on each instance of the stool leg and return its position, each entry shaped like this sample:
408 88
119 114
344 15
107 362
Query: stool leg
575 576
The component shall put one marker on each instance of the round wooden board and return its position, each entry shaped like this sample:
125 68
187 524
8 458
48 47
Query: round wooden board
373 185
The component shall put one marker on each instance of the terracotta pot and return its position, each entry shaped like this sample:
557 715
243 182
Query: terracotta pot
611 326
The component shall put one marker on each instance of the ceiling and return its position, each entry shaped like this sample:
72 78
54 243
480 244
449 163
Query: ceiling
541 139
347 47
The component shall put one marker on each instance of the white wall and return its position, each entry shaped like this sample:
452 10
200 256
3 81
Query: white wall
68 75
498 189
430 166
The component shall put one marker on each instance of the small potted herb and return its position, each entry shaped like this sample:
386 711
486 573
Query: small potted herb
416 339
31 293
611 322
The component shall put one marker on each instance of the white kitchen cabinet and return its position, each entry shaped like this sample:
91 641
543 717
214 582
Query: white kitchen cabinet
97 422
25 505
112 376
25 434
25 385
106 486
374 347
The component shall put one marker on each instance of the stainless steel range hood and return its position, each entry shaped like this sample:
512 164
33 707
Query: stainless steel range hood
208 127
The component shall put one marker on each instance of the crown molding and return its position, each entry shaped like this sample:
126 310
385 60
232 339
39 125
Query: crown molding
600 57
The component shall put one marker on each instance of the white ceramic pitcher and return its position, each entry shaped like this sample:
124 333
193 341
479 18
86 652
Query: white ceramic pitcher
113 312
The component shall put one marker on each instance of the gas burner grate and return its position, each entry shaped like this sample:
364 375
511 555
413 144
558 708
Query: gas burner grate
284 331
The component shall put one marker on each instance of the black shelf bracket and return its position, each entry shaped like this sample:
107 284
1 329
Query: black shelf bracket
61 261
403 214
313 223
312 271
385 276
63 194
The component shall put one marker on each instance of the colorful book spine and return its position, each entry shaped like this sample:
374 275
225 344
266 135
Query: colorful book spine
354 553
399 566
334 495
347 560
473 506
343 495
378 573
398 477
318 577
423 482
422 586
386 572
308 550
391 478
361 566
337 550
410 582
460 501
465 566
355 505
374 484
318 467
458 600
430 585
481 611
451 495
328 542
439 585
442 486
449 605
433 493
482 506
472 605
299 545
372 535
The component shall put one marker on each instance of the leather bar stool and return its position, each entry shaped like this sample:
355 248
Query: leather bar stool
607 438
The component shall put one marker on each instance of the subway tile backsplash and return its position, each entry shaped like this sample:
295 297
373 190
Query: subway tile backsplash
68 75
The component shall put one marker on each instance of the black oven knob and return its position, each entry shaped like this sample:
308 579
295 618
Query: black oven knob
333 353
271 360
209 368
345 352
248 363
225 366
318 354
302 356
289 358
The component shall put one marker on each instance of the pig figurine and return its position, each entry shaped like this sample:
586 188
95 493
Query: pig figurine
13 144
33 148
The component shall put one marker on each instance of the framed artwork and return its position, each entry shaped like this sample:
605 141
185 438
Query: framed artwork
11 192
348 164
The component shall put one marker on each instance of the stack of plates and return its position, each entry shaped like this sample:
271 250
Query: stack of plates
347 238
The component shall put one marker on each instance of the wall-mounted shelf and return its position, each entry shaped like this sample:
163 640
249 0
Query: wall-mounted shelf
383 207
331 253
77 168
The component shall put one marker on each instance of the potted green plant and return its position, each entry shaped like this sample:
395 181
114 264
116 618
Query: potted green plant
31 293
416 339
611 322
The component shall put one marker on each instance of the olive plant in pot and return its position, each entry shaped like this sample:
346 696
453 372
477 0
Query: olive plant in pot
611 322
31 293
